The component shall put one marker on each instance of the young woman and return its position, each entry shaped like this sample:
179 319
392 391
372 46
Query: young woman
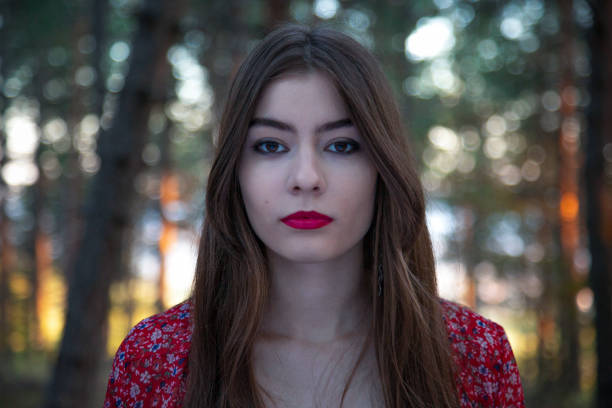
315 283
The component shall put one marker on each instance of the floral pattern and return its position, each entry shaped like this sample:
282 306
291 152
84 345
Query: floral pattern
487 374
150 367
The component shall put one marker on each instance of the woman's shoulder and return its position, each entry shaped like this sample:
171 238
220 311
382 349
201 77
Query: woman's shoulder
150 365
463 324
169 330
486 368
472 336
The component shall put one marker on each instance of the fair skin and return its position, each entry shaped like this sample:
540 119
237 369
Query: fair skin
303 153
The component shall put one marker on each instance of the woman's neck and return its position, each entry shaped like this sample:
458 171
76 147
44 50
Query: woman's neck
316 302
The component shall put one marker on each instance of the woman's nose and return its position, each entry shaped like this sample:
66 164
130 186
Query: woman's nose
306 173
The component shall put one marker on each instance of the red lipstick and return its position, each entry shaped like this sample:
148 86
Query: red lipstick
307 220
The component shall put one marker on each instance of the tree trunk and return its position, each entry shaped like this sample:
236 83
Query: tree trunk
169 193
41 254
6 258
100 12
72 193
39 245
108 210
5 247
72 176
546 306
569 135
277 13
469 255
599 193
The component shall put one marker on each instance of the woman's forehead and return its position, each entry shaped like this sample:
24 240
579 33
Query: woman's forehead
301 96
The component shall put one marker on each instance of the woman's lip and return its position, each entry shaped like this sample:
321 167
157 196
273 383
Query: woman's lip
307 220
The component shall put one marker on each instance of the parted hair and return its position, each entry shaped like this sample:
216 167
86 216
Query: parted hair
232 279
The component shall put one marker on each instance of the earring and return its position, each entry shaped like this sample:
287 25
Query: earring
380 279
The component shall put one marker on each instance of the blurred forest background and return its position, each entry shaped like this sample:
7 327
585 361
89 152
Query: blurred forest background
108 109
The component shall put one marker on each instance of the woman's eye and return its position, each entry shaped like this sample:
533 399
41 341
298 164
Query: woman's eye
343 146
270 147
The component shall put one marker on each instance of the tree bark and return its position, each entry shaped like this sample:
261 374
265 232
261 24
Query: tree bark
108 210
599 193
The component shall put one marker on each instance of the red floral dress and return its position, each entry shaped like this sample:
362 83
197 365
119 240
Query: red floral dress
150 367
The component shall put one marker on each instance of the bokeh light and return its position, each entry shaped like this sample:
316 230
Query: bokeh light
433 37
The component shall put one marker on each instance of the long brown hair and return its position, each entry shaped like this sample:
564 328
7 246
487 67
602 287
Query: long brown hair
232 282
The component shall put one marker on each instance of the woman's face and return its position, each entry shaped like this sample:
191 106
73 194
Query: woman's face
305 175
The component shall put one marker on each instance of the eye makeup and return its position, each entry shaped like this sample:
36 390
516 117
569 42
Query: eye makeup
268 146
343 146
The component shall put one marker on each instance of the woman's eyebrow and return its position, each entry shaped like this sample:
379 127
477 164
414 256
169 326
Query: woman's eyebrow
336 124
273 123
277 124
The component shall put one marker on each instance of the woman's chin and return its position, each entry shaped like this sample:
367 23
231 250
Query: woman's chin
317 252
